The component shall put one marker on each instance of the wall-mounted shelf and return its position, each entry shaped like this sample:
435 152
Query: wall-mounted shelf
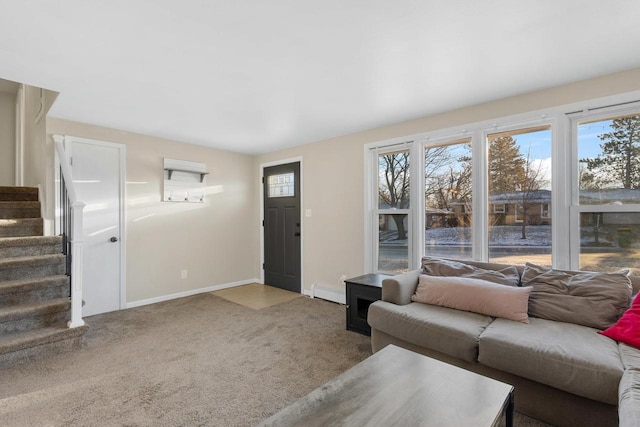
170 171
184 181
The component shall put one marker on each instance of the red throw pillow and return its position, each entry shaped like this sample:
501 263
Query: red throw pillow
627 328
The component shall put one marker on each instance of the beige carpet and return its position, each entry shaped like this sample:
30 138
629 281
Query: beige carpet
199 360
256 296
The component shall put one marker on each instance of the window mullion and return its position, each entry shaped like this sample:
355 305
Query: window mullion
480 233
416 236
561 190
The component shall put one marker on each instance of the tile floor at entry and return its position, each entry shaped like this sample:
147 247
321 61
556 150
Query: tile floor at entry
256 296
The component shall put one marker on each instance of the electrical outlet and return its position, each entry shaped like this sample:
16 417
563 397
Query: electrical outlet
184 274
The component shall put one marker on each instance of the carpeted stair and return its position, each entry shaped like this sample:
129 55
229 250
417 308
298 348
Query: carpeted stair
34 290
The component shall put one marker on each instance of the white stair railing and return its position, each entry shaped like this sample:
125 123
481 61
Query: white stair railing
70 212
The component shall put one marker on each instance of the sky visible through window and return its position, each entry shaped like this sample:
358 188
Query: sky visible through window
540 142
538 145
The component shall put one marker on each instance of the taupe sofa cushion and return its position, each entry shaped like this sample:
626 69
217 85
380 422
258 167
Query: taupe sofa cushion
630 356
446 330
569 357
504 275
590 299
629 401
474 295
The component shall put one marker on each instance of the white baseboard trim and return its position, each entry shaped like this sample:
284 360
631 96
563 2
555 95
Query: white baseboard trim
326 292
189 293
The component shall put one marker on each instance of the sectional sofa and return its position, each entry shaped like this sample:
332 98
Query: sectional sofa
564 372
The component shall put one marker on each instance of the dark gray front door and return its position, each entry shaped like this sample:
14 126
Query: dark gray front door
282 226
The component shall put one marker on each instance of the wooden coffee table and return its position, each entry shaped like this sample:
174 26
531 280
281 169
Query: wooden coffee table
397 387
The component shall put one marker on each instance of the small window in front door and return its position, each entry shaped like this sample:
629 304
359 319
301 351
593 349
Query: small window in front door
281 185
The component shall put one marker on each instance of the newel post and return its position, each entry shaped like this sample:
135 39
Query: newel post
77 240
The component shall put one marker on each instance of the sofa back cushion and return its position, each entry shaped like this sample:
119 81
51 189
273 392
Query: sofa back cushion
502 274
590 299
475 295
627 329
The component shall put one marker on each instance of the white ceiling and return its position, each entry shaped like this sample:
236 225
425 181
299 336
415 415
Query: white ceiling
254 76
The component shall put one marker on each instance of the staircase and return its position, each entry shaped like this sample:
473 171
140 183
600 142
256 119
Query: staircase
34 287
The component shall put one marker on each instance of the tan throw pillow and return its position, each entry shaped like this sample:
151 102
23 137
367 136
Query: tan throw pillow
590 299
475 295
444 267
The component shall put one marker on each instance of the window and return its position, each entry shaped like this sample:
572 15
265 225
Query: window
447 175
545 210
487 192
609 241
609 161
394 193
608 202
519 175
281 185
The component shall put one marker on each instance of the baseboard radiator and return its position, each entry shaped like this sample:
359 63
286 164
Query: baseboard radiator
328 293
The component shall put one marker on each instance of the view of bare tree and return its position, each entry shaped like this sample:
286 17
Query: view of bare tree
532 182
447 177
393 188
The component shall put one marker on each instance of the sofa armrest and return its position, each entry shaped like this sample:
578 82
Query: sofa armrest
398 289
629 398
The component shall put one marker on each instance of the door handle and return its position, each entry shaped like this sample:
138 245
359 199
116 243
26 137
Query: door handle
113 239
296 234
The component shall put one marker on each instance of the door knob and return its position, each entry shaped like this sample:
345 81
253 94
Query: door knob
296 234
113 239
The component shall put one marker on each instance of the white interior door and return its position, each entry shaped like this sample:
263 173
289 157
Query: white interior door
97 176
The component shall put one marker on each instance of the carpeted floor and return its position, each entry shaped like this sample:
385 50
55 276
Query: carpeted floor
200 360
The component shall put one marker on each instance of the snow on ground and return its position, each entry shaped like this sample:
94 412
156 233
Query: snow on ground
503 235
539 235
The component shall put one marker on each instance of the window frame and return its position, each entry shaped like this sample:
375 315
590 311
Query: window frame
272 186
372 224
440 141
542 209
575 208
563 212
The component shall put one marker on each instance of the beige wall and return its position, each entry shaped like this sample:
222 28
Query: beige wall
7 137
334 178
39 151
215 241
332 174
218 242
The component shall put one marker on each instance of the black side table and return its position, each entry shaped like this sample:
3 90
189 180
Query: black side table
361 292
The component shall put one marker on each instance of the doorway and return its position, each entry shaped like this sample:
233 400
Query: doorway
98 170
282 226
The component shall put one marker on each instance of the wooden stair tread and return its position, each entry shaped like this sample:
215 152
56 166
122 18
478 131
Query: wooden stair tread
8 286
30 241
20 203
28 339
17 262
22 311
18 193
16 222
